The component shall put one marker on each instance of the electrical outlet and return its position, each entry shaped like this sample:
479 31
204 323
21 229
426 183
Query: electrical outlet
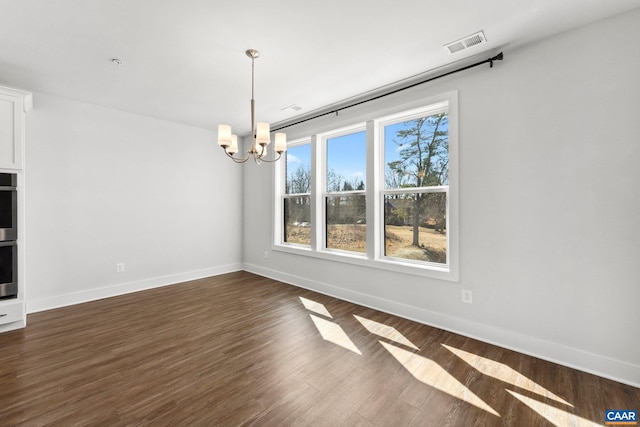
467 296
120 267
266 254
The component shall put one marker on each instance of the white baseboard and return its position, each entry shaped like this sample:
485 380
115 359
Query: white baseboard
592 363
42 304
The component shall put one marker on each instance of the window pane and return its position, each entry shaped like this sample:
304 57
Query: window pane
346 223
416 152
297 220
415 226
347 162
298 169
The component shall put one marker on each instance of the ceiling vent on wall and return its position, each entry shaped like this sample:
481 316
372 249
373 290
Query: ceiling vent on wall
465 43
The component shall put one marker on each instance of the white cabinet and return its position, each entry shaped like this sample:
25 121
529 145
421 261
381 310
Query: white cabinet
12 314
11 311
13 105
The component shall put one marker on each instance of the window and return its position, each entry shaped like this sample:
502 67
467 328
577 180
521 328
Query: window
381 193
344 191
416 182
297 198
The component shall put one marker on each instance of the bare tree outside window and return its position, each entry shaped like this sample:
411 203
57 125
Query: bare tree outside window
297 199
417 160
345 201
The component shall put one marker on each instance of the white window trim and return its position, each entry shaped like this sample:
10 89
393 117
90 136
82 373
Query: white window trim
321 236
279 179
374 194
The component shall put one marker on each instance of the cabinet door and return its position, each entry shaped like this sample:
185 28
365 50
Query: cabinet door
11 131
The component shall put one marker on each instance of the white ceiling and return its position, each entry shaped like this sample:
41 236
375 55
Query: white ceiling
184 60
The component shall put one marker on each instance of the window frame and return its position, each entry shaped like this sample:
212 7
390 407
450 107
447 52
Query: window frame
389 120
374 194
410 190
323 139
280 180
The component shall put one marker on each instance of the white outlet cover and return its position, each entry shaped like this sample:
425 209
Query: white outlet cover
467 296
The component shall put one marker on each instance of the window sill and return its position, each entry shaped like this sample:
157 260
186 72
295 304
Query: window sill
389 264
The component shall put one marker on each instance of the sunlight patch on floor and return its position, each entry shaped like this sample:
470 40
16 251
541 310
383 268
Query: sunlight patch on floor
385 331
434 375
334 333
316 307
504 373
554 415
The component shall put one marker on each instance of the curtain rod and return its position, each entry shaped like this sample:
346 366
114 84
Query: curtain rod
498 57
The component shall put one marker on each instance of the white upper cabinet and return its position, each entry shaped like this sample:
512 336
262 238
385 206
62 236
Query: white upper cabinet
13 105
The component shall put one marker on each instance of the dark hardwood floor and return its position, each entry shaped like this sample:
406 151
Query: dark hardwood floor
240 349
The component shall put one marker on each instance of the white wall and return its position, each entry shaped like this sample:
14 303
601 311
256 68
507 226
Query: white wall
106 187
550 213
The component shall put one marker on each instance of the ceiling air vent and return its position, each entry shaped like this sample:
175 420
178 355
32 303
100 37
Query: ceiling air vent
465 43
292 107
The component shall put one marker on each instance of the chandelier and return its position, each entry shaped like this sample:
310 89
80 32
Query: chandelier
260 138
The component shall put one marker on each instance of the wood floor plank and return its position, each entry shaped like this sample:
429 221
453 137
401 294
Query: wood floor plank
357 420
239 349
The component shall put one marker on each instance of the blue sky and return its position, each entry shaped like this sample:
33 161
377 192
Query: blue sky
391 150
298 156
347 154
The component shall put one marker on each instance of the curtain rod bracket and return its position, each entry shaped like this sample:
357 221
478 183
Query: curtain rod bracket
498 57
